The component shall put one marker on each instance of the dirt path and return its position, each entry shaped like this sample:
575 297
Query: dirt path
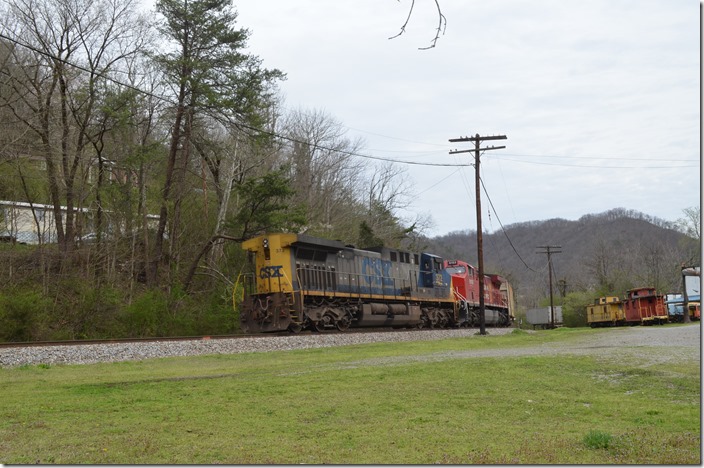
645 345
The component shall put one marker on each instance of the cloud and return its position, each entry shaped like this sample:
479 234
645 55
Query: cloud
601 78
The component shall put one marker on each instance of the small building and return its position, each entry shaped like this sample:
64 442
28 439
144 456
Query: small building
674 302
542 317
30 223
34 223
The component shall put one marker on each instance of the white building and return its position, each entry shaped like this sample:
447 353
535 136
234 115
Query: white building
28 223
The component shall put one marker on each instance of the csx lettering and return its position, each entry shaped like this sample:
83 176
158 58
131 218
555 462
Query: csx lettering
271 272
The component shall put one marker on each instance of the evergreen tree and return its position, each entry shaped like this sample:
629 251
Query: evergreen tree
211 76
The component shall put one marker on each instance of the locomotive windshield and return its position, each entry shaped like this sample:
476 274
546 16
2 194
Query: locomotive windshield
457 270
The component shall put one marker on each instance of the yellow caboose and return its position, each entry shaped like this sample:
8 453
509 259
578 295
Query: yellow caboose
605 312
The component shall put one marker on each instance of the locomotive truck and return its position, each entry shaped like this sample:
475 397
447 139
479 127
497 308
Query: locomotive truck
304 282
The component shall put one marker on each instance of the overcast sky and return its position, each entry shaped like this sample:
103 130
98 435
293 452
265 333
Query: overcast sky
599 99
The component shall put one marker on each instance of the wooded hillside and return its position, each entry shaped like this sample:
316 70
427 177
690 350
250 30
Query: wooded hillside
605 254
139 149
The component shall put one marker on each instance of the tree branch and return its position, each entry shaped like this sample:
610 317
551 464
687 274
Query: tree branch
403 28
442 25
208 245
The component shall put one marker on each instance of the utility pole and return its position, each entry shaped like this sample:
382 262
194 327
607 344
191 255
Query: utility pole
548 249
480 250
687 271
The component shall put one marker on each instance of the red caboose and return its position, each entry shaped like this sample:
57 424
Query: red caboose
465 284
645 306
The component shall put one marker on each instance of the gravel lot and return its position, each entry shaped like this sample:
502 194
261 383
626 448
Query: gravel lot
646 345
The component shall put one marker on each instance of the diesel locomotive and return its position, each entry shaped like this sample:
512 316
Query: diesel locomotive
304 282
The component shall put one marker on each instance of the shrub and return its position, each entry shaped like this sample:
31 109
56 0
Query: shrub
146 315
598 440
23 315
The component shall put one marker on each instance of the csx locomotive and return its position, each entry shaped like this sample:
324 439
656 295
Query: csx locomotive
303 282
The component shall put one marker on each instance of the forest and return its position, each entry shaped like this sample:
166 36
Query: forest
143 147
146 149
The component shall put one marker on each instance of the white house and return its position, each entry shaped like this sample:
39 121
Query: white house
28 223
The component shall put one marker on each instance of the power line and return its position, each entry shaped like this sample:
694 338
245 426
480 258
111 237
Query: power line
592 157
237 123
438 182
396 138
600 166
502 227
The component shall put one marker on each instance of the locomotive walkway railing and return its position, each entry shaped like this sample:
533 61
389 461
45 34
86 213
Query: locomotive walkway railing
317 279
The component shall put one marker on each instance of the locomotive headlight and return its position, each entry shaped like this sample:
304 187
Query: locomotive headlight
267 252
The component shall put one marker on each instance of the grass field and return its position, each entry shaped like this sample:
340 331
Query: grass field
410 403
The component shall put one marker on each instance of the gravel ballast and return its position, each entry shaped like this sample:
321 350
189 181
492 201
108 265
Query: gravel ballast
654 344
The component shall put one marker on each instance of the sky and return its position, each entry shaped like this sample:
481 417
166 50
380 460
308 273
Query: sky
599 99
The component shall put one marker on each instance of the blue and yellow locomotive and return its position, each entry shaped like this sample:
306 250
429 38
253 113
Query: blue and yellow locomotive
302 282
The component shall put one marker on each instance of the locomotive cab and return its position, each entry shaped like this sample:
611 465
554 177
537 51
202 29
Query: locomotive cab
465 286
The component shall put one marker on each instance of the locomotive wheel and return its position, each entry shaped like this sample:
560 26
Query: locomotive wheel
325 321
344 323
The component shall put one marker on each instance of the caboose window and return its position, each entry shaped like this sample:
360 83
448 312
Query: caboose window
392 256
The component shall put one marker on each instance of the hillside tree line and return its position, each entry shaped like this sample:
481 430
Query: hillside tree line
148 147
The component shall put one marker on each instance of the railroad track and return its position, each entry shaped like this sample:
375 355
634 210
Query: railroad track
26 344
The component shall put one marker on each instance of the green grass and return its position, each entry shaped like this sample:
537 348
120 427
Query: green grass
409 403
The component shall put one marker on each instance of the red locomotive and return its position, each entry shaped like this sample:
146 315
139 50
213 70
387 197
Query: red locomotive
498 295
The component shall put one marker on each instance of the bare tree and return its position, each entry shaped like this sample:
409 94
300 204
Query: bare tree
690 225
69 47
388 191
324 172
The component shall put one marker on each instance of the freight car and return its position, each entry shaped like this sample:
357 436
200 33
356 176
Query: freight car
303 282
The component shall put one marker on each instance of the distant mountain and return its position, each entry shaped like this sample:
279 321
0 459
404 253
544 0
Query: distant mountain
608 253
